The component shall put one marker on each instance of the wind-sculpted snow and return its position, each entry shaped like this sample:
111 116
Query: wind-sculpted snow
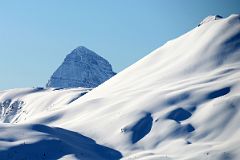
179 102
17 105
81 68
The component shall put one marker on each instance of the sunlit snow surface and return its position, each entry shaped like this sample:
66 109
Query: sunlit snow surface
182 101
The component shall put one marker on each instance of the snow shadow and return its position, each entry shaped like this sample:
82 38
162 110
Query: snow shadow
182 130
210 96
177 99
141 128
179 114
218 93
50 119
37 89
57 89
77 97
58 143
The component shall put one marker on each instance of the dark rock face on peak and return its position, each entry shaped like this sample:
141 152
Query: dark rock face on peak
81 68
209 19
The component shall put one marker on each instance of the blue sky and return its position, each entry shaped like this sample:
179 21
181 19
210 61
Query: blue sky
35 36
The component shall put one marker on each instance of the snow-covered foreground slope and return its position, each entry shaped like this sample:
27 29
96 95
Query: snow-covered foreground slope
181 101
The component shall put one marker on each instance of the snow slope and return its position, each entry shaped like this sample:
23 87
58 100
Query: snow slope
81 68
16 105
181 101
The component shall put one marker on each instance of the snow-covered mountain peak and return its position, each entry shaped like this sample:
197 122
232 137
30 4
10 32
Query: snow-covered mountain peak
210 18
81 68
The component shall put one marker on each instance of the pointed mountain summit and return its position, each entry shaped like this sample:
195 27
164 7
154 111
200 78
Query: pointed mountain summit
81 68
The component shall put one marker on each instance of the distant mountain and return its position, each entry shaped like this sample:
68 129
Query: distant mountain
81 68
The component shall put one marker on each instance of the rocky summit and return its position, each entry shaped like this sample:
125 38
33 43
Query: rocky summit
81 68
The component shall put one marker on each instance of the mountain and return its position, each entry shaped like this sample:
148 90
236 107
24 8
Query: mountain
81 68
179 102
